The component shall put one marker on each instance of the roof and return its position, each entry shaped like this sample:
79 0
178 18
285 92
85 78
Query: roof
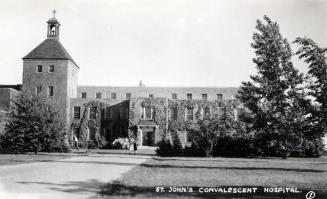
50 49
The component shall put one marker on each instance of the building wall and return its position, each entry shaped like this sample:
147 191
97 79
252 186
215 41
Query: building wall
63 79
6 95
164 92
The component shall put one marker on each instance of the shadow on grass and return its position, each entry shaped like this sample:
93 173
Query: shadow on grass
116 189
192 167
81 187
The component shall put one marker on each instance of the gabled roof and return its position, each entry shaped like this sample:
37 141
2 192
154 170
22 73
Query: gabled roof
50 49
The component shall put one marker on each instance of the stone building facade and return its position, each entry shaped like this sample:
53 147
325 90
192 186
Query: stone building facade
140 111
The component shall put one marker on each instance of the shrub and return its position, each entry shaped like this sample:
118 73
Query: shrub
121 143
229 146
177 148
193 151
164 148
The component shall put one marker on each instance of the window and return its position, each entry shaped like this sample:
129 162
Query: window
92 133
173 113
93 112
123 113
38 90
146 112
98 95
84 95
113 96
189 96
174 96
128 95
219 96
189 114
189 136
204 96
108 112
77 112
51 69
222 112
151 95
207 111
50 91
39 68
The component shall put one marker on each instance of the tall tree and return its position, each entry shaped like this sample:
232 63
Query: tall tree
274 91
33 125
315 56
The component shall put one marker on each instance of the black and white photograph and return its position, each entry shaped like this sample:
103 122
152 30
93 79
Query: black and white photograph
163 99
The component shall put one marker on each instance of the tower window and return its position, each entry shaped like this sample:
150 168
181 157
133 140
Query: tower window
128 95
38 90
77 112
219 96
39 68
204 96
84 95
113 95
98 95
189 96
50 91
51 68
174 96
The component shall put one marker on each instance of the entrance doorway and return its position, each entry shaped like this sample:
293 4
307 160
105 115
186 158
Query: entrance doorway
148 136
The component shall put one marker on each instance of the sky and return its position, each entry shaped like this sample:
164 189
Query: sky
162 43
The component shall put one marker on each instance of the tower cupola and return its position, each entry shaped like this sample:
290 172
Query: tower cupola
53 27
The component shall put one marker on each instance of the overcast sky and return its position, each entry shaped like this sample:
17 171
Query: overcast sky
162 43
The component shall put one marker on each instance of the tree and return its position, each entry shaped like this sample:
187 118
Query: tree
33 125
274 93
315 56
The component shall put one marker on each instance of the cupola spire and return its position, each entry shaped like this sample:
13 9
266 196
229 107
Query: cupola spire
53 27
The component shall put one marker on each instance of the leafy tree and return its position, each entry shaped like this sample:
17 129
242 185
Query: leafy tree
33 125
177 148
315 56
274 94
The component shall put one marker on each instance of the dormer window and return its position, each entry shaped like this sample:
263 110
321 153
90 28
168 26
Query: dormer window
39 68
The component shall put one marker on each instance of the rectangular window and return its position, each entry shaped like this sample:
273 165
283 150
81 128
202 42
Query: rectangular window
189 96
98 95
222 112
128 96
50 91
93 112
51 69
77 112
204 96
173 113
38 90
84 95
147 112
113 96
39 68
189 114
151 95
189 136
174 96
123 113
108 112
219 96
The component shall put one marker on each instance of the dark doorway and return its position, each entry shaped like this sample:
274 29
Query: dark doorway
148 136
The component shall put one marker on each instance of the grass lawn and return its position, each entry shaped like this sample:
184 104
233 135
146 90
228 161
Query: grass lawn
11 159
305 174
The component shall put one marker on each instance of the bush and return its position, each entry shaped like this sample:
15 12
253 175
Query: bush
121 143
234 147
164 148
177 149
193 151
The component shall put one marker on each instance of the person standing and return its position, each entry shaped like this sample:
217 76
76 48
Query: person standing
131 146
76 142
135 147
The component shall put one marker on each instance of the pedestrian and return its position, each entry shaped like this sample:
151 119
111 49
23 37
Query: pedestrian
76 142
131 145
135 147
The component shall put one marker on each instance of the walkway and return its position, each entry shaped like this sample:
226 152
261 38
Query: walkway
78 177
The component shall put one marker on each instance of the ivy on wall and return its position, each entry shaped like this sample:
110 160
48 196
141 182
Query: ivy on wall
83 125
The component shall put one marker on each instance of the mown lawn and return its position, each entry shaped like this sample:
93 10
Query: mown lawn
12 159
141 182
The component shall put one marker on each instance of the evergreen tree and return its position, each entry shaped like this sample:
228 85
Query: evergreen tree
275 92
33 125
